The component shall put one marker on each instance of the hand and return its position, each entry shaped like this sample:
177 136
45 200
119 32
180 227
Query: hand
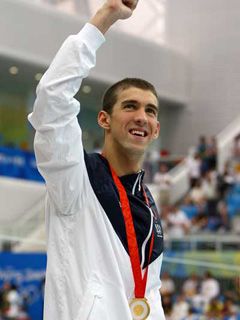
121 9
111 11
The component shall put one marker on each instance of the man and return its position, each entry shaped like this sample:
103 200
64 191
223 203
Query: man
102 226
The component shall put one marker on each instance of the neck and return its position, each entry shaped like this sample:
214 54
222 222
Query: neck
122 162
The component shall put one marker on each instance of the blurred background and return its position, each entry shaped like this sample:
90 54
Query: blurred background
189 49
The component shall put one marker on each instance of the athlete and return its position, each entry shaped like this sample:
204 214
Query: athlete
104 236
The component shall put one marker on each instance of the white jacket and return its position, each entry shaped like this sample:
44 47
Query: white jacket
89 275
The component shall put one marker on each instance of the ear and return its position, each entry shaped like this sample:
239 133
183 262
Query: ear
104 120
157 131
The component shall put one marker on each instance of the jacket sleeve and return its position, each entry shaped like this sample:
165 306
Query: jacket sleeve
58 143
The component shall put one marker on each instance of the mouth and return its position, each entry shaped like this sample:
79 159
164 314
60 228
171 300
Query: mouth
138 132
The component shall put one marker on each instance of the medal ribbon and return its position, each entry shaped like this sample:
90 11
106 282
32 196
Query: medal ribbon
139 280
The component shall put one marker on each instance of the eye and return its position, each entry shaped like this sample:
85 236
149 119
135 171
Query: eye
152 111
129 106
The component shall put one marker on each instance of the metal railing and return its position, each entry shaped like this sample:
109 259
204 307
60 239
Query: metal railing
204 241
225 142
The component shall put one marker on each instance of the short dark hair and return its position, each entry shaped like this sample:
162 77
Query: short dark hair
111 94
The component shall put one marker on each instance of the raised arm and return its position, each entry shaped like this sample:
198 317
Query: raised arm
57 143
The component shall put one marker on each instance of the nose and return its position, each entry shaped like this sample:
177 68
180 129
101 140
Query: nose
140 116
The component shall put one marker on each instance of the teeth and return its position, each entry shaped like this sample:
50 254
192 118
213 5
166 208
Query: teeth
139 133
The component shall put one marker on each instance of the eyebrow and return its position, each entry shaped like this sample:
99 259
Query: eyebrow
136 102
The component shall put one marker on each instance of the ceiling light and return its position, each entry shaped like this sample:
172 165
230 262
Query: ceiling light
86 89
13 70
38 76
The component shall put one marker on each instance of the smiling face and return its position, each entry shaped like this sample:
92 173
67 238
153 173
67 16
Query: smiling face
132 124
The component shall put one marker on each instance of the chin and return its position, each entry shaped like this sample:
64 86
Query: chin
132 149
136 150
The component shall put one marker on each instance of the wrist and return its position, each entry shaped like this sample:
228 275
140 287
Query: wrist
104 18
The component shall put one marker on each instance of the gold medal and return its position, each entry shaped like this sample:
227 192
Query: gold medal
140 308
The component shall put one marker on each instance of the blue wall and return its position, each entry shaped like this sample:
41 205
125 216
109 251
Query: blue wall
17 163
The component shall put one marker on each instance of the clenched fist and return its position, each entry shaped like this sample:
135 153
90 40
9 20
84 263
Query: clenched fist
111 11
123 8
